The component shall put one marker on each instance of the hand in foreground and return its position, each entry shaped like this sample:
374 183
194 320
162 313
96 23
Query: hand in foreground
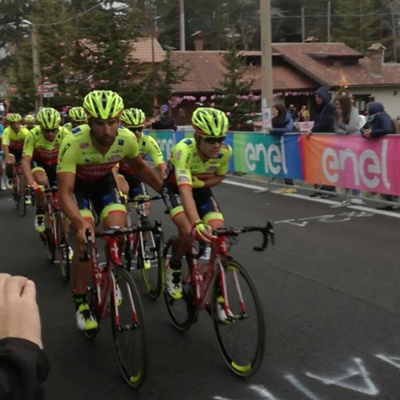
19 312
308 134
202 232
367 133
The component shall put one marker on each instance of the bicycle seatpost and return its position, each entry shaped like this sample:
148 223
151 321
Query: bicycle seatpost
86 254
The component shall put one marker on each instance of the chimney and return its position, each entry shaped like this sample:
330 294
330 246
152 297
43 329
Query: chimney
198 39
377 56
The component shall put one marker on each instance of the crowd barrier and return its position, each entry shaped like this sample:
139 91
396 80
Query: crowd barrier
351 162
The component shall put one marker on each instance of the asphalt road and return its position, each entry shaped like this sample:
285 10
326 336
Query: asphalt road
331 298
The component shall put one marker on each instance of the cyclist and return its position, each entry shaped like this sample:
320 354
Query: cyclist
195 165
13 143
2 182
30 121
77 116
86 159
128 181
39 159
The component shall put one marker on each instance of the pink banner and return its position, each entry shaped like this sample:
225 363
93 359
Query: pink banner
353 162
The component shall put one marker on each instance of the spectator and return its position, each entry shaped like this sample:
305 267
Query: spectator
346 122
293 112
23 364
324 123
379 123
2 182
282 122
304 114
162 120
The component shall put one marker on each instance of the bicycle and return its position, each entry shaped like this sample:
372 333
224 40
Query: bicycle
112 289
55 236
145 248
223 287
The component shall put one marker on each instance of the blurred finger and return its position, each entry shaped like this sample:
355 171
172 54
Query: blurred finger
14 286
29 289
3 280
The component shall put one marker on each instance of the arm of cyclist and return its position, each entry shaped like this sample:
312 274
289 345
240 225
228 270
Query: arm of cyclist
200 230
66 183
145 172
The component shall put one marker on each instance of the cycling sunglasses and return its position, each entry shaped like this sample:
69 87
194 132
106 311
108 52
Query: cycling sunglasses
49 130
213 140
136 128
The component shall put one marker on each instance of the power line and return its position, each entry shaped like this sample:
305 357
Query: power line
336 15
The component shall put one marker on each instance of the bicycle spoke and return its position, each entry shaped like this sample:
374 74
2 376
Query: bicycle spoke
128 328
238 321
63 248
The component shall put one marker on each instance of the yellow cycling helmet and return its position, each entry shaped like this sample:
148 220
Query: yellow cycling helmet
30 119
77 114
48 118
103 104
210 122
133 117
14 117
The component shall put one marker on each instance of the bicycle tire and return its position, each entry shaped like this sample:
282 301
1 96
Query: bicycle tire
92 300
181 311
152 273
16 195
51 248
128 329
22 204
63 248
241 340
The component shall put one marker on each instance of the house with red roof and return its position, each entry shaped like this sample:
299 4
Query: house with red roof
298 70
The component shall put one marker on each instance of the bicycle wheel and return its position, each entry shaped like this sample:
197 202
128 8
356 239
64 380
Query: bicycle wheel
51 248
150 263
63 248
127 321
21 203
15 192
181 311
241 335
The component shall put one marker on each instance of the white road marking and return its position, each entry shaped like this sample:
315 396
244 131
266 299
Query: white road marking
395 361
368 387
261 189
299 386
259 389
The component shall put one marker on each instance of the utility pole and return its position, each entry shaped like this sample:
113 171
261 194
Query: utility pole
182 38
329 21
303 24
266 64
37 79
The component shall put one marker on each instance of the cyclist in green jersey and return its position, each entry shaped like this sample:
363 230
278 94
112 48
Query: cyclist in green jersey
195 165
86 160
30 121
77 116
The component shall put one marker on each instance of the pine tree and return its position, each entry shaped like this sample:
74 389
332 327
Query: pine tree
235 95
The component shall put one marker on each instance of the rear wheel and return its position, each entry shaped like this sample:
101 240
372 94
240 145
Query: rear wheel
181 311
127 320
241 335
21 196
149 260
51 246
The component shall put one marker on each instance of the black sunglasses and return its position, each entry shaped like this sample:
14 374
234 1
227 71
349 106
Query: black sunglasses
138 128
213 140
49 130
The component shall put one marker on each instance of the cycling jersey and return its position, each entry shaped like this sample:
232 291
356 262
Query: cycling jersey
40 149
79 156
147 146
68 126
14 140
185 163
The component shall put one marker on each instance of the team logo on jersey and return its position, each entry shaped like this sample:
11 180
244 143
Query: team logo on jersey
114 158
212 168
179 155
120 142
84 145
183 179
67 146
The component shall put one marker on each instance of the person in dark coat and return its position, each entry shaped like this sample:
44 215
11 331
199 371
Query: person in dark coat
323 122
379 123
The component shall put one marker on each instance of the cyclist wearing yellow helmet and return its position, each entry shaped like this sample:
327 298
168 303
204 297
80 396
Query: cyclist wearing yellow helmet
39 158
86 160
77 116
30 121
195 165
13 142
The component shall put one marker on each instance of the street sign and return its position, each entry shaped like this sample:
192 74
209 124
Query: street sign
48 87
48 94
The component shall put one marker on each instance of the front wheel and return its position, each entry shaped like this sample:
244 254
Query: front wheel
181 311
64 254
127 321
238 320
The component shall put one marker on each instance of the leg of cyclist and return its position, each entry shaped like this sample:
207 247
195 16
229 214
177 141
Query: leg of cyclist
40 178
10 170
